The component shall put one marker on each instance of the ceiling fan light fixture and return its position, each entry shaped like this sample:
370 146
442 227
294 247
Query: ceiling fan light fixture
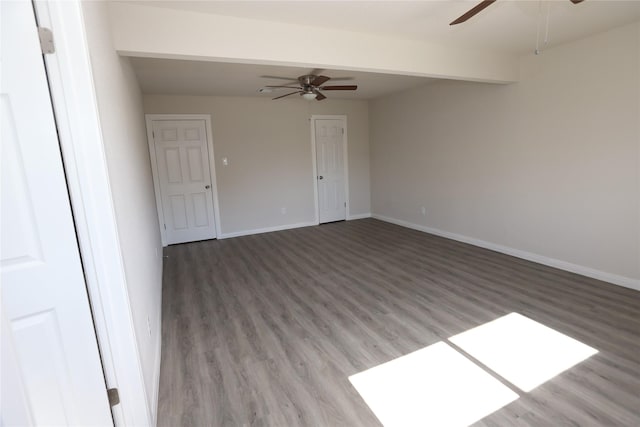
309 96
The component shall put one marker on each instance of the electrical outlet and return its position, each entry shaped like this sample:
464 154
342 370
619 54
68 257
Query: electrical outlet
283 210
424 211
225 161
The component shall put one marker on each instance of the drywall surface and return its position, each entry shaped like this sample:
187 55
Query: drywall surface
548 166
268 148
127 155
157 32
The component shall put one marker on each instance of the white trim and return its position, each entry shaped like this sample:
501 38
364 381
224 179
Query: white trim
156 185
266 230
314 168
626 282
212 172
359 216
282 227
74 100
345 161
149 119
156 368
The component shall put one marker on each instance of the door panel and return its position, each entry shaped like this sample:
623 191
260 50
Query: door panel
184 177
174 170
200 210
34 336
330 167
178 212
194 157
51 371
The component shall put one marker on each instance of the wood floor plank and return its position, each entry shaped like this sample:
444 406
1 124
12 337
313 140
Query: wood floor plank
265 330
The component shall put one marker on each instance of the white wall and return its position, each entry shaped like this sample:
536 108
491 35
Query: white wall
268 145
547 168
123 130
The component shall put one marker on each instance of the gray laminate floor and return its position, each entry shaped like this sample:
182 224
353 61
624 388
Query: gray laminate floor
266 329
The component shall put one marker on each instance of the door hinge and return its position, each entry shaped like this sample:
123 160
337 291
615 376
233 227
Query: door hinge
345 204
153 134
342 131
114 397
46 40
165 226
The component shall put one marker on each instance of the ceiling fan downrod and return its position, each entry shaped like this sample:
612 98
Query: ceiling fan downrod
537 50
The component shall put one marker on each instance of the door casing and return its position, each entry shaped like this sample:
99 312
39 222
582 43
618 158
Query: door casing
150 118
77 118
51 367
314 162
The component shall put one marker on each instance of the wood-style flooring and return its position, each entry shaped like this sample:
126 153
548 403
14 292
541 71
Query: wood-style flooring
266 329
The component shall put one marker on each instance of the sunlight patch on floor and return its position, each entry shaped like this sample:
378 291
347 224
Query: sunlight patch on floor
522 351
434 386
439 386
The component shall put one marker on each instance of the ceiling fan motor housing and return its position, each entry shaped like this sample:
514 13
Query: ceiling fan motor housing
306 80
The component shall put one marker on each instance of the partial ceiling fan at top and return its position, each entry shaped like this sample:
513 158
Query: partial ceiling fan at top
309 86
483 5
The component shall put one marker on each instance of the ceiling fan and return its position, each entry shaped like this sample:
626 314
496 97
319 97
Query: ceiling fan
309 86
483 5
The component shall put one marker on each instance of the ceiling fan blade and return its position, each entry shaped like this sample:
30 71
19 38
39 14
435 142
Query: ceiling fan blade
576 1
475 10
318 72
280 87
289 79
319 96
341 79
282 96
320 80
345 87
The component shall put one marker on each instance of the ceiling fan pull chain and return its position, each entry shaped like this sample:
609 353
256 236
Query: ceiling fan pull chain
546 35
537 51
545 42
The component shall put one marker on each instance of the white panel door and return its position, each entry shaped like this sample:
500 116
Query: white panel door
184 177
330 168
51 372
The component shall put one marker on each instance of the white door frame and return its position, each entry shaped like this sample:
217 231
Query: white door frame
150 118
314 161
77 118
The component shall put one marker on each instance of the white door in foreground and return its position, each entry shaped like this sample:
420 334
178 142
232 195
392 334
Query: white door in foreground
184 178
330 166
51 372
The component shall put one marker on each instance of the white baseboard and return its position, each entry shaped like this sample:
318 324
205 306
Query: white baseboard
359 216
156 375
282 227
265 230
626 282
158 352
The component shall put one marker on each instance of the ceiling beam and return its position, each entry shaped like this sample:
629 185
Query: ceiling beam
157 32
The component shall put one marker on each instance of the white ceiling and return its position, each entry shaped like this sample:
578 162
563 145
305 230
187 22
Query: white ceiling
506 26
178 77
